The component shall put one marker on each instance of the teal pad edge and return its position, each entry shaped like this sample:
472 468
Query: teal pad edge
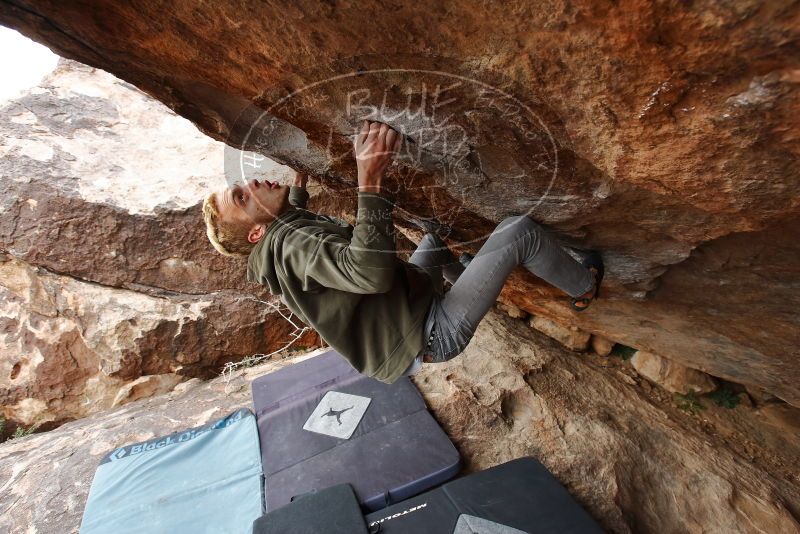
206 479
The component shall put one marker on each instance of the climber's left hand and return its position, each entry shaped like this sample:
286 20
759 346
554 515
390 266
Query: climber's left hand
300 179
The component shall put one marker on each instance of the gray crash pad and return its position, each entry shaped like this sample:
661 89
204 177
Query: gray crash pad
321 423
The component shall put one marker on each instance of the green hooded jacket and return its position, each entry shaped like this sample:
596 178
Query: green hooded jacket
347 282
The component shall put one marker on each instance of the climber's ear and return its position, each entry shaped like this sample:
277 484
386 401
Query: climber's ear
256 233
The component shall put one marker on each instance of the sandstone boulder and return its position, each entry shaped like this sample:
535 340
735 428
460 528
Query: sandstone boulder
569 336
71 348
601 345
660 134
670 375
146 386
103 183
110 291
512 311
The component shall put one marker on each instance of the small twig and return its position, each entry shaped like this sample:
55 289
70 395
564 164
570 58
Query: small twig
255 359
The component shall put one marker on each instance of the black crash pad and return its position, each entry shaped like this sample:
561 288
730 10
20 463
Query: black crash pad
333 510
517 497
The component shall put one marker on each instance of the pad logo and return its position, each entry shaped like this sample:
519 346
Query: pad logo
117 454
399 514
337 414
129 451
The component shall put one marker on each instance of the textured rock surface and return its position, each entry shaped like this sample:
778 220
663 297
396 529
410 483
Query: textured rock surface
662 133
670 375
512 311
101 184
601 345
69 348
570 337
620 449
637 465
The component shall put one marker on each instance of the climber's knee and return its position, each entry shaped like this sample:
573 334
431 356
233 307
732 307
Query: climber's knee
428 239
521 224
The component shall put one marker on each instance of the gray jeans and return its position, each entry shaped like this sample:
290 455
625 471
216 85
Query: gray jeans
454 316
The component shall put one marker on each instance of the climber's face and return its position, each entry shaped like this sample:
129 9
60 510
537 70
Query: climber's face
253 205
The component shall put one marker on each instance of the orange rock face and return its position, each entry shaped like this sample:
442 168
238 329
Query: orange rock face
663 134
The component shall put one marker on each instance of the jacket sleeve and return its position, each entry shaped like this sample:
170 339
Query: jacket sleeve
298 196
366 263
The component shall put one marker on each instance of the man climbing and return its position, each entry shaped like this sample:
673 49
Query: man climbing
385 315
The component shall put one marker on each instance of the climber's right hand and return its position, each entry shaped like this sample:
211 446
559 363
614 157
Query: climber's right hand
375 147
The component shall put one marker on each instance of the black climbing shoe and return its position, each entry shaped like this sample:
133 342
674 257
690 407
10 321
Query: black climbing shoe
465 259
431 226
593 262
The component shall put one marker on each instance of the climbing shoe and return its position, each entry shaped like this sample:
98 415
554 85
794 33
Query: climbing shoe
431 226
594 263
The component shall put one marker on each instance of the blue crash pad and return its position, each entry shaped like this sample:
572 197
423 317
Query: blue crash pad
202 480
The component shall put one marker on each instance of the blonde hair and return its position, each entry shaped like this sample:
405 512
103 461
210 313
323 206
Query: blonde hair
229 239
